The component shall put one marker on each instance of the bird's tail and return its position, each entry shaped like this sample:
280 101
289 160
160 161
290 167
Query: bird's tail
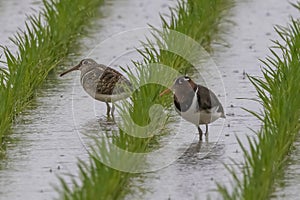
223 115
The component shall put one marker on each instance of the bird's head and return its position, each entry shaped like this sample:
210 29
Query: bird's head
181 87
84 65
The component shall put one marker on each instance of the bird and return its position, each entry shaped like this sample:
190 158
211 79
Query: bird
195 103
102 83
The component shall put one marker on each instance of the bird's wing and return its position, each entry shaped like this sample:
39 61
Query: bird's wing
213 109
207 100
111 82
204 99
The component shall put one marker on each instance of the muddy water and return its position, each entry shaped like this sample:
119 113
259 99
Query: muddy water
13 14
288 187
46 141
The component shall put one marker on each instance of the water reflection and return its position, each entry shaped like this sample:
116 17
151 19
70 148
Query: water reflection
199 151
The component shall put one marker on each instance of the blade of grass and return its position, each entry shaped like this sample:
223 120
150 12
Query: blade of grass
278 91
198 19
45 42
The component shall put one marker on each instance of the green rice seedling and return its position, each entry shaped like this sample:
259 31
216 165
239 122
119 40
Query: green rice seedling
189 18
45 42
278 91
197 19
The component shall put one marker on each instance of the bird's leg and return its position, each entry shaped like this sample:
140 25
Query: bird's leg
112 111
200 133
206 130
108 110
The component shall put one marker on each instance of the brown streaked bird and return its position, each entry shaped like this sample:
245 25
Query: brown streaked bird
195 103
102 83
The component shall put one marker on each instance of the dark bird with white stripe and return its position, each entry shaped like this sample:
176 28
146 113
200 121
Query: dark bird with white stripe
195 103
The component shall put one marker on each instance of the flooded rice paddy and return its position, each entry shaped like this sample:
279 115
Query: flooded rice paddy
45 141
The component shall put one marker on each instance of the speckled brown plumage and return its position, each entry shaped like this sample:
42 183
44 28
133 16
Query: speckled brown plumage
101 82
112 82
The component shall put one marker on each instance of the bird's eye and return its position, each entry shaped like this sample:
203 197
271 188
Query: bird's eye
180 81
85 62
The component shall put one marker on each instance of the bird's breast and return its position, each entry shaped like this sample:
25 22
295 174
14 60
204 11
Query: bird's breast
197 115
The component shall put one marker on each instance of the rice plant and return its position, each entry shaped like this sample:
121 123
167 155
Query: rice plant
45 42
278 92
198 19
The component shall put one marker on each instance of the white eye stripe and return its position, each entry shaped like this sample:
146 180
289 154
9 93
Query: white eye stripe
183 79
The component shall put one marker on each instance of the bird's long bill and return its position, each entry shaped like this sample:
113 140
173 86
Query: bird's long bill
69 70
166 91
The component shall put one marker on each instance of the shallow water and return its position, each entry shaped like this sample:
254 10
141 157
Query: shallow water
49 135
193 176
13 15
288 186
